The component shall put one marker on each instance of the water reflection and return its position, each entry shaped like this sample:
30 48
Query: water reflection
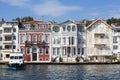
62 72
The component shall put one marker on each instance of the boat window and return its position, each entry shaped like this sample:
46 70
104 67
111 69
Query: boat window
11 57
16 57
20 57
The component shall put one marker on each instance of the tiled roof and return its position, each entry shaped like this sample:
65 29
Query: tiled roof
98 19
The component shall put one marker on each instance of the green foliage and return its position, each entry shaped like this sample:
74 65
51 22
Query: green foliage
115 21
60 59
77 59
86 60
24 19
113 57
32 26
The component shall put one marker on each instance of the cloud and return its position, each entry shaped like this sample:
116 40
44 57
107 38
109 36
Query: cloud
19 3
53 8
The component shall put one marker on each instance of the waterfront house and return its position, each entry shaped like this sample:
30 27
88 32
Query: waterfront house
34 41
116 41
67 41
8 39
99 41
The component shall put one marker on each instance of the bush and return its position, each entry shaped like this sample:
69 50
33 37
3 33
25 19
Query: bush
77 59
60 59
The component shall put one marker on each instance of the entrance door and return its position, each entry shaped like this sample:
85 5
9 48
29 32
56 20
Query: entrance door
34 56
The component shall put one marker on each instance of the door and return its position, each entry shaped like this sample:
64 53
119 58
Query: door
34 56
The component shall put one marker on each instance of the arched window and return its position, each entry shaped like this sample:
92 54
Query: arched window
64 28
73 28
34 38
34 49
68 28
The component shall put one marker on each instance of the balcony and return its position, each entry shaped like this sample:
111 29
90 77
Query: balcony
116 34
7 50
101 41
7 42
97 52
38 43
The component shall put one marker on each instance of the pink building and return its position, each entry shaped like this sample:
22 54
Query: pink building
34 41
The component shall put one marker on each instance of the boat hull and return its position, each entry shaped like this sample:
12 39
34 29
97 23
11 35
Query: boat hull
15 66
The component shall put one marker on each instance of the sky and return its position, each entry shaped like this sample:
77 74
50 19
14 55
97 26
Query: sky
60 10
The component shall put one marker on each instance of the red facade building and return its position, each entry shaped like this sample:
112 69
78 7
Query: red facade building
34 41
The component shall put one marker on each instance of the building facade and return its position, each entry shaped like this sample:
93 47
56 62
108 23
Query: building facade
99 41
116 41
34 41
65 38
9 39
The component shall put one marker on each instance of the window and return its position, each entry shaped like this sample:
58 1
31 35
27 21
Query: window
34 38
22 50
27 38
46 59
68 28
74 51
115 47
34 49
54 51
21 38
14 37
0 31
47 50
46 38
58 51
47 26
0 47
82 51
28 50
7 55
0 38
41 26
40 50
73 41
8 46
41 59
115 39
14 30
40 38
78 50
64 28
14 47
54 41
69 40
64 40
73 28
7 30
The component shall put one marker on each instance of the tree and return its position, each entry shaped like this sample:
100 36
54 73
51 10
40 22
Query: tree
113 57
24 19
32 26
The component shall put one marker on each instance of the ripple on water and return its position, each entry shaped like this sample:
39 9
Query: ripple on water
62 72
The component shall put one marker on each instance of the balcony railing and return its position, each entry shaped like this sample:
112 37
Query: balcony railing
116 33
97 52
101 41
38 43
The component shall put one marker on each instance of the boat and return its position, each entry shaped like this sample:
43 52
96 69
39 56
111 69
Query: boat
16 61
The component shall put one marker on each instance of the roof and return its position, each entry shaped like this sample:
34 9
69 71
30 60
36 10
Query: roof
70 21
98 19
35 22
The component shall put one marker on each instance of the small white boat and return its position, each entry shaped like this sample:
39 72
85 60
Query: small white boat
16 61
